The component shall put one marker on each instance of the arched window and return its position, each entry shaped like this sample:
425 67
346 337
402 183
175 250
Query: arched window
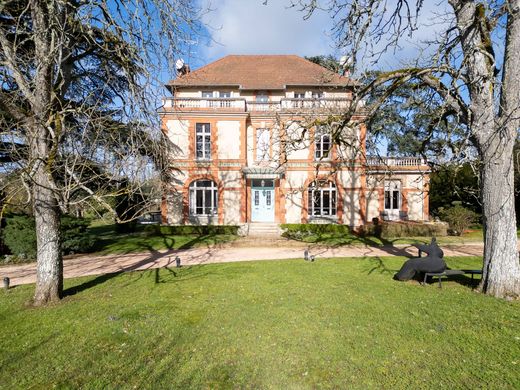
322 198
203 197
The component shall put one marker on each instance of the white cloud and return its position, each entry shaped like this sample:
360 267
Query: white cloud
250 27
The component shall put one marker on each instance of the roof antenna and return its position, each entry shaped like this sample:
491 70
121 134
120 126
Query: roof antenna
181 67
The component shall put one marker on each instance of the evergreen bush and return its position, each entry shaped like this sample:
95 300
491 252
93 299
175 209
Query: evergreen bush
19 236
459 218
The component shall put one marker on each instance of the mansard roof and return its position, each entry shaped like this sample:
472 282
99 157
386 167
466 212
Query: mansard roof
262 72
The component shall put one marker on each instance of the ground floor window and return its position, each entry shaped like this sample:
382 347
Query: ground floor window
322 198
203 197
392 195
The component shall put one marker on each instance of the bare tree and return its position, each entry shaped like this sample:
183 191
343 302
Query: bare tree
77 93
478 86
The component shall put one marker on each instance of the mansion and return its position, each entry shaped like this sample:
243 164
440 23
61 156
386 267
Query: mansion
255 138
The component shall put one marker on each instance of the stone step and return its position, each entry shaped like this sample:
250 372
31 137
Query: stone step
264 229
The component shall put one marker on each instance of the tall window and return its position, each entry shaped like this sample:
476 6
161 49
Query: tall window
392 195
322 198
322 143
202 141
263 138
203 197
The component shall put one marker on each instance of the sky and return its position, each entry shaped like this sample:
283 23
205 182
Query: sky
274 27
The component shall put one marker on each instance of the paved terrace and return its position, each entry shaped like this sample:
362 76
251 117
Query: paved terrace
85 265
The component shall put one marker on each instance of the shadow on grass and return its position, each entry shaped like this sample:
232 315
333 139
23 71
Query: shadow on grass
463 280
377 264
151 262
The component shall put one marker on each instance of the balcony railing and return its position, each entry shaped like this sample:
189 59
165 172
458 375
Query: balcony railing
241 105
314 104
262 106
228 104
396 161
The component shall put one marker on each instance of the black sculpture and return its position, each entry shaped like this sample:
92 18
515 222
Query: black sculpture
434 262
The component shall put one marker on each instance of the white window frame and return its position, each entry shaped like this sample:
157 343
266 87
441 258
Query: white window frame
321 140
392 195
317 191
197 187
203 130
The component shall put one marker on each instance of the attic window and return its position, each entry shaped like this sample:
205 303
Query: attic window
262 97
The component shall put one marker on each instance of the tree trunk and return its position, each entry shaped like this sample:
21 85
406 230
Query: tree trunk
49 272
501 271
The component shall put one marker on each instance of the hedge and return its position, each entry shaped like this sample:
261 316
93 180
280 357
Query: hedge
206 230
299 230
405 229
382 229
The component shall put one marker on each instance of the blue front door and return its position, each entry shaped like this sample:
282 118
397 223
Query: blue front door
262 201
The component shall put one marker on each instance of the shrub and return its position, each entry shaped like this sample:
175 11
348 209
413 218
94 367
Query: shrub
192 229
75 236
297 231
411 229
20 236
459 218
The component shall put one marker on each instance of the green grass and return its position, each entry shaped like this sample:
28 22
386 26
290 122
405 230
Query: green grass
109 242
338 323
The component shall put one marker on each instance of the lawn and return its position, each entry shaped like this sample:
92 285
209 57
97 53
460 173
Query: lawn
108 241
334 323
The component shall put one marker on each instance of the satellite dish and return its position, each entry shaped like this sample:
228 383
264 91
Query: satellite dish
179 64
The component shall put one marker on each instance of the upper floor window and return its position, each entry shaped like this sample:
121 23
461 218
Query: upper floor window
299 95
322 143
224 94
202 141
203 197
207 94
263 144
317 95
262 97
322 198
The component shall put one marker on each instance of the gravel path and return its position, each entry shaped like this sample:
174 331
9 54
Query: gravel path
97 265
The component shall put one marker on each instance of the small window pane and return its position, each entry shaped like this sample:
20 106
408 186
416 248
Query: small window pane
387 199
268 198
395 200
257 198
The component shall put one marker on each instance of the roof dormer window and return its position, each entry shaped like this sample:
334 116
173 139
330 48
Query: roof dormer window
262 97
